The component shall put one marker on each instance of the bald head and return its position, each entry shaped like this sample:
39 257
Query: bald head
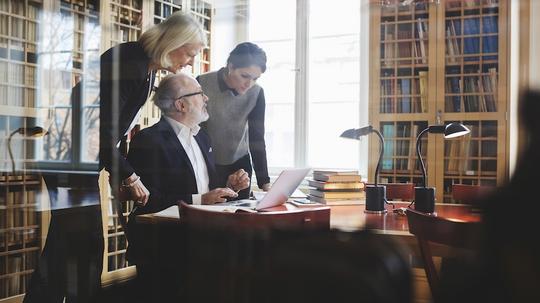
179 96
170 88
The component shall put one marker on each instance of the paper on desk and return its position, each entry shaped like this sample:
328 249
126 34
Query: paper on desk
224 208
171 212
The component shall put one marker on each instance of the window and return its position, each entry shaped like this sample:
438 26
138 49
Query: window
312 84
278 81
69 55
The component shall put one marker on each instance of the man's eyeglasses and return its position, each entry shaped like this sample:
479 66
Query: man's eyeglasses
191 94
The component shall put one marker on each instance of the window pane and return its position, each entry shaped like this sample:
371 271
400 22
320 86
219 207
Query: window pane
57 144
90 103
279 79
90 134
334 77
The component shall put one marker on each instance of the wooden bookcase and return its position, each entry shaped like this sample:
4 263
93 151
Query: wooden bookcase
22 221
436 62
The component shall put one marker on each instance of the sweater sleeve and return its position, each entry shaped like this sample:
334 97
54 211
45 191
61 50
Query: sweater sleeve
257 145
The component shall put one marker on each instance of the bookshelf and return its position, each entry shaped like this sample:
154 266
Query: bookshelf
21 232
22 226
203 12
438 62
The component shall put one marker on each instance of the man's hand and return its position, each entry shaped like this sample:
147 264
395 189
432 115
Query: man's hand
238 180
138 192
266 187
218 195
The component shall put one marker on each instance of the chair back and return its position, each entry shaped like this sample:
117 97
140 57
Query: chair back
230 250
429 228
469 194
399 191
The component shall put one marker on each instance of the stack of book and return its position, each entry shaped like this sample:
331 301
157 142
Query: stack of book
336 187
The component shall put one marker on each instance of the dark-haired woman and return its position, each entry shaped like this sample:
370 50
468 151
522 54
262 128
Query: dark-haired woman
236 106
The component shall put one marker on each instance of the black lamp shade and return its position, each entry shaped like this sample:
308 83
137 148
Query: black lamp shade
35 131
356 133
455 129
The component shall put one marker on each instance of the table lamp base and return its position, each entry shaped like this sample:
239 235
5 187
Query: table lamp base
375 199
424 199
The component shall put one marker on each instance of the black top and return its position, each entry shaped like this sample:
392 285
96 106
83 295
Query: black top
124 87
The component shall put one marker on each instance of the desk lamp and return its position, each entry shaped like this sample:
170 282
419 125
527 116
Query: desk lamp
34 132
424 197
375 194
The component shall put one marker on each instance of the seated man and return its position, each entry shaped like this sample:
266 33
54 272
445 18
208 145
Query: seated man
174 160
174 157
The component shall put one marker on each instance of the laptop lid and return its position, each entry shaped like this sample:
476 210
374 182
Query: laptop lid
283 187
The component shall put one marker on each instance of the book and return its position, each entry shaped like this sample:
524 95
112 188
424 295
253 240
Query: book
335 172
337 194
406 97
336 185
336 177
423 80
326 201
388 134
304 203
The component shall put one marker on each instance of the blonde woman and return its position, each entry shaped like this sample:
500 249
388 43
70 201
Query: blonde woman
127 78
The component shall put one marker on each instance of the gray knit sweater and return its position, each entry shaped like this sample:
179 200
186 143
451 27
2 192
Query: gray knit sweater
236 123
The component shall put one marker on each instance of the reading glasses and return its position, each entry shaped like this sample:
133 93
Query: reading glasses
191 94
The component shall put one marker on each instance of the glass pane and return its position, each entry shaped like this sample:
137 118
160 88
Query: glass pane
279 79
334 77
90 134
58 143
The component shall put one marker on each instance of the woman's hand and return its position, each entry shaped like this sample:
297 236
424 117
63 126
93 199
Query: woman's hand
266 187
138 192
218 195
238 180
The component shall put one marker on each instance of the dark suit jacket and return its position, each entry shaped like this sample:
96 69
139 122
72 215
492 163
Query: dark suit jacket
124 86
164 167
159 159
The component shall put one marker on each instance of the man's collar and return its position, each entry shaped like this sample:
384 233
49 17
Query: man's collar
221 81
181 129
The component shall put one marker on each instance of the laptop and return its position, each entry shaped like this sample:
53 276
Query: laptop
279 193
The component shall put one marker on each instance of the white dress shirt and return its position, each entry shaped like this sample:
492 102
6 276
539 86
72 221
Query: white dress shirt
186 136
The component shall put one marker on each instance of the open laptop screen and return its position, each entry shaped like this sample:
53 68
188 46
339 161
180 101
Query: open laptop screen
283 187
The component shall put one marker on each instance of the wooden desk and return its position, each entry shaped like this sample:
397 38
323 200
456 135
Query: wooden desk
353 217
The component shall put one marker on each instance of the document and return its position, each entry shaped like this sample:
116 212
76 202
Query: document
224 208
171 212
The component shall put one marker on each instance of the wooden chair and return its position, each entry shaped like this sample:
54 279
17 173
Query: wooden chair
470 194
229 251
399 191
432 229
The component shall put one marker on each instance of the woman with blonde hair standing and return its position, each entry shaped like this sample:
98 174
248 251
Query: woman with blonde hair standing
127 78
71 263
